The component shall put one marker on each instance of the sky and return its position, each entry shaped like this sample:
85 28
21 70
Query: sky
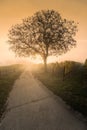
13 11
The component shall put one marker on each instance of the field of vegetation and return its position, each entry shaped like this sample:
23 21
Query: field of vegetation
8 75
67 80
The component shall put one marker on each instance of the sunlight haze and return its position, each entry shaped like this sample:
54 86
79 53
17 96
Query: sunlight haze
13 11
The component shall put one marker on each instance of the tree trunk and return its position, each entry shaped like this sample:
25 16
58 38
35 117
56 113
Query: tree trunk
45 59
45 64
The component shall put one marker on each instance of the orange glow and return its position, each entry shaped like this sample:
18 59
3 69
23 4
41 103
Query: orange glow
11 12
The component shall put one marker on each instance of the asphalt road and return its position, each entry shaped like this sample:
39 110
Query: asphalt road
31 106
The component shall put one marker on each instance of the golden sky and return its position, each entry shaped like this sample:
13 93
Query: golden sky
12 11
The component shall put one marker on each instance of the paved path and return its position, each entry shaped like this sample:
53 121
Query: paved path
31 106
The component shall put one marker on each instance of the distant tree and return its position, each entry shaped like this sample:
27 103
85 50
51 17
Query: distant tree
86 62
46 33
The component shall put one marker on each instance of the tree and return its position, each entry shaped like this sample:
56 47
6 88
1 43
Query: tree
46 33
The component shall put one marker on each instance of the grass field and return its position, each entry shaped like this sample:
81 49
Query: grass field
8 75
72 88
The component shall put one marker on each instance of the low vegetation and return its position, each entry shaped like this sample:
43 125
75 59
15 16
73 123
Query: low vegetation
8 75
67 80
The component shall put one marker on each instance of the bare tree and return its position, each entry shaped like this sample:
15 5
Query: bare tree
46 33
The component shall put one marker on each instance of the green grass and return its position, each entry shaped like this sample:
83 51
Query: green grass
8 75
73 89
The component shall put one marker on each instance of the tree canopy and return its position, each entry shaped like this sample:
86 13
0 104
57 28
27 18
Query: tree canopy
45 33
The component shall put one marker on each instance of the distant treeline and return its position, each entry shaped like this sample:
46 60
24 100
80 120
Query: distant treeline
63 69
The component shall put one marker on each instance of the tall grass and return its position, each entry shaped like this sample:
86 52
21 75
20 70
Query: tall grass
67 80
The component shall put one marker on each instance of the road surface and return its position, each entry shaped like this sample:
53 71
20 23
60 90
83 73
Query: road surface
31 106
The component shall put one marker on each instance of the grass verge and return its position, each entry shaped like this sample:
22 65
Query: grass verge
72 89
8 75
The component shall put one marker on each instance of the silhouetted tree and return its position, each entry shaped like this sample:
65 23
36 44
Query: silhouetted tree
44 34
